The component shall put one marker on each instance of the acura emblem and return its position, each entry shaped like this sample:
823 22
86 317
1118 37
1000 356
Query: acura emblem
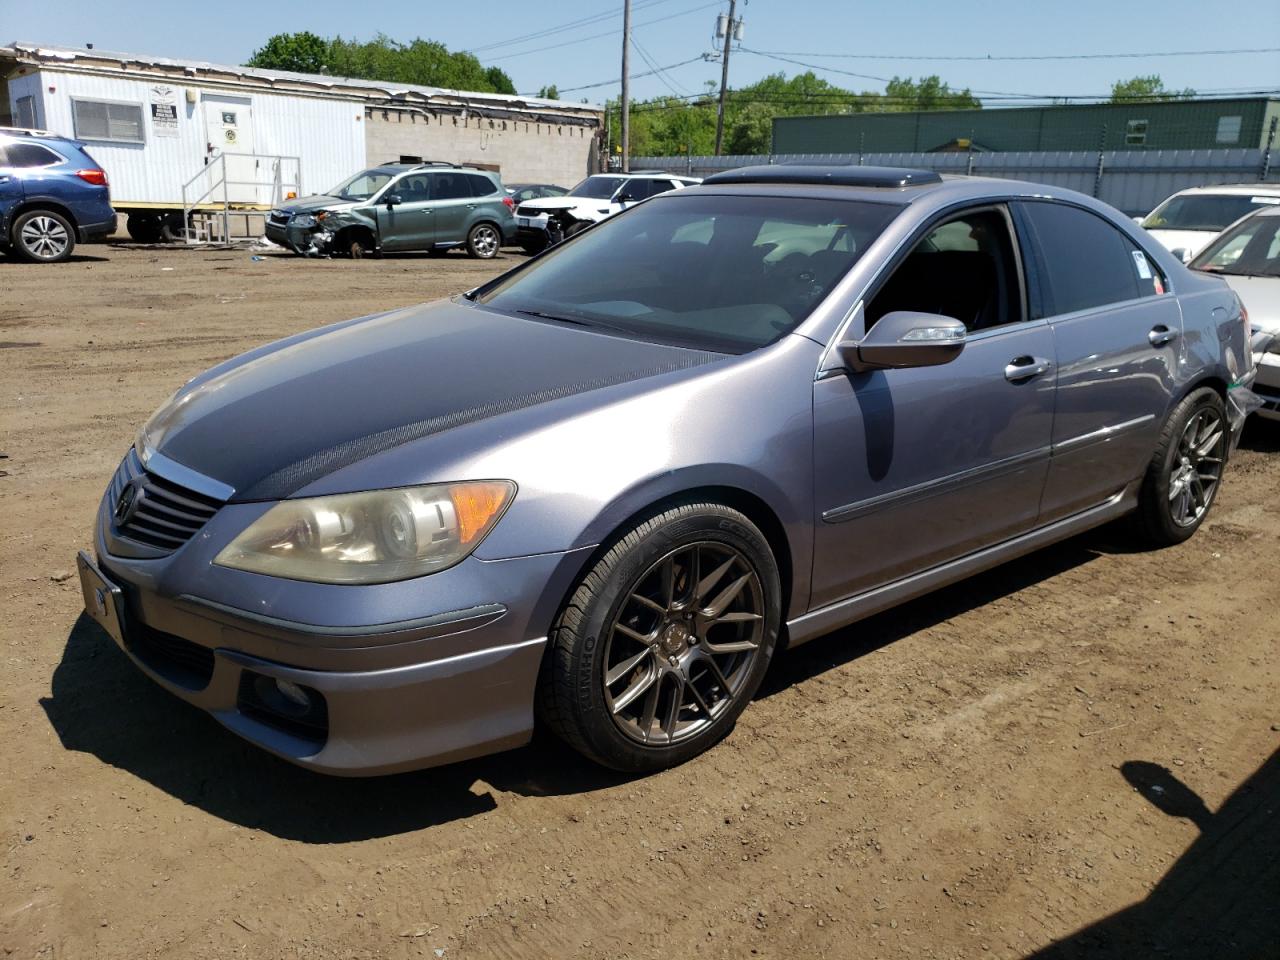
127 505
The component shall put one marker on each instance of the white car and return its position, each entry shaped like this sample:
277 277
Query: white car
1190 219
549 220
1247 256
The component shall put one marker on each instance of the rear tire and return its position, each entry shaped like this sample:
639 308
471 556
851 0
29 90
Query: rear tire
1185 472
484 241
144 228
43 236
665 640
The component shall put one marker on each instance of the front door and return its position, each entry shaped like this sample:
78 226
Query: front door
409 224
916 467
229 131
1117 336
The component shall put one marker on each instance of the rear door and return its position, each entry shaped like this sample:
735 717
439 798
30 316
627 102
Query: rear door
452 200
10 185
913 468
1116 334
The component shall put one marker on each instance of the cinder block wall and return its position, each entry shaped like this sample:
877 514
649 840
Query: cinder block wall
522 151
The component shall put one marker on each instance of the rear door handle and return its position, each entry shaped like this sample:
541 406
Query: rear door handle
1160 335
1024 368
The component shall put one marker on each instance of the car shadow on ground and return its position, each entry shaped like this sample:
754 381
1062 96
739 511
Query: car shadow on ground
15 261
1220 899
1262 436
102 705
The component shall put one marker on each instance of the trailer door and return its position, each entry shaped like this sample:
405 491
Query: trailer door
229 130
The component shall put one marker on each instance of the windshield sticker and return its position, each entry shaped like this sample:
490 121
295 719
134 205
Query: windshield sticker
1140 261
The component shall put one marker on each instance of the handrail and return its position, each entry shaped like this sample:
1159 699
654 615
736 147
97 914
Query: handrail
216 172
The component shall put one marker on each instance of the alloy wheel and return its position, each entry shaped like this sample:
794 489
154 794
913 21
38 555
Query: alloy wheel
683 643
1197 466
44 237
484 241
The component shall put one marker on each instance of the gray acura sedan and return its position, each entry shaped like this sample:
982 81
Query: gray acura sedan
602 491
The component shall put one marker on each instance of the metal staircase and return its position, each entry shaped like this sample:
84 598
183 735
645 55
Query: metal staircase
237 190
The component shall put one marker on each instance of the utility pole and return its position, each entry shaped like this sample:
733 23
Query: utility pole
626 86
724 79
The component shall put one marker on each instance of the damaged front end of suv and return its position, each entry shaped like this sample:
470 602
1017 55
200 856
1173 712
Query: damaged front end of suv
346 231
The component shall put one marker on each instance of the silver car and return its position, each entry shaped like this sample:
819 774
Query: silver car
604 490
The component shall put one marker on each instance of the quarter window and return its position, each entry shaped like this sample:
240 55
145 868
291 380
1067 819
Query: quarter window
31 155
1088 262
480 186
106 120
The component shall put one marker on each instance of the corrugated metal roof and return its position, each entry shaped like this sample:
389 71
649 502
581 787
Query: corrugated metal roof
352 87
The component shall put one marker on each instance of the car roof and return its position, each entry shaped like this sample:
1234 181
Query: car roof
29 133
1235 189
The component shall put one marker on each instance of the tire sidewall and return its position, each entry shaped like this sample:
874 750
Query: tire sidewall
471 241
26 254
595 722
1158 511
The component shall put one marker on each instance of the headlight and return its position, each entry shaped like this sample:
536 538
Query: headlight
1265 341
303 220
373 537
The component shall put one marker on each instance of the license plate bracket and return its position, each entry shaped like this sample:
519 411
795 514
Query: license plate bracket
103 600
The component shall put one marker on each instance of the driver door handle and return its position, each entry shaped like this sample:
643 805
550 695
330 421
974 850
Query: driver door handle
1024 368
1160 335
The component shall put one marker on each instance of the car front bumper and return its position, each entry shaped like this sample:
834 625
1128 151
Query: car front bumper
454 683
1267 384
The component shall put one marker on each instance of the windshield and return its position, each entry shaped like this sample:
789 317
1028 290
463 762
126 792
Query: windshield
1252 249
726 273
1204 211
597 188
363 185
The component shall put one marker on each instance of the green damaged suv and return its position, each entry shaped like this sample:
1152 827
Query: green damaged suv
431 205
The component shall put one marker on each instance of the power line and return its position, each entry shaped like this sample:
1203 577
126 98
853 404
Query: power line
564 27
597 36
661 71
634 76
1029 57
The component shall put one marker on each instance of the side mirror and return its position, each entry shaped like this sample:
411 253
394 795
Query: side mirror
1182 253
905 338
624 197
392 199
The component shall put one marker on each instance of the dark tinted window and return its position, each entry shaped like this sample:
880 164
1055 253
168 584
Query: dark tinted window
964 268
1088 261
721 272
30 155
449 186
412 189
480 186
597 188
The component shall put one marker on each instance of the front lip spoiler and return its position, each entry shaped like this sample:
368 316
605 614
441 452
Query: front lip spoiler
398 631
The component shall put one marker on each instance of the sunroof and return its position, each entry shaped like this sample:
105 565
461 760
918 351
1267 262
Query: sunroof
845 175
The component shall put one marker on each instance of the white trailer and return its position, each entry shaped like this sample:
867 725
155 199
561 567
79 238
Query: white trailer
187 143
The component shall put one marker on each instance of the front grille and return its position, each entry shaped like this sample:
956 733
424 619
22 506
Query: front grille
523 211
278 217
180 661
166 515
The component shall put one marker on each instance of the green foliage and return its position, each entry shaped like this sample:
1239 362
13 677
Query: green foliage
550 93
1150 87
669 125
423 62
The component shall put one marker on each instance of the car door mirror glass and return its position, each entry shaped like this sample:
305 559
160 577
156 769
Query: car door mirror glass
905 338
391 199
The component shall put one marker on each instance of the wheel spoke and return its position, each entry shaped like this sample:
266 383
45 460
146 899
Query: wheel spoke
699 699
673 709
711 579
628 695
650 710
625 667
719 677
737 616
626 631
727 596
668 577
645 601
1207 445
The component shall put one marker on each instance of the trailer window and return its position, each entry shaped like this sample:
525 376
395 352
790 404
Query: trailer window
107 120
26 116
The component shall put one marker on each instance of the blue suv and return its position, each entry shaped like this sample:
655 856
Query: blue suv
52 195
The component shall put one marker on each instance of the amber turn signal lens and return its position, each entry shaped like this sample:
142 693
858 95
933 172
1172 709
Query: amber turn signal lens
478 506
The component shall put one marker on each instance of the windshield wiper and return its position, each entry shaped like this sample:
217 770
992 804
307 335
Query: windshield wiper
576 321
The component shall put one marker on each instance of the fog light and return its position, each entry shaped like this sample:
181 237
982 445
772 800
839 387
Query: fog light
293 693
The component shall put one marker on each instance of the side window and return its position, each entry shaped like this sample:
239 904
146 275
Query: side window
659 186
449 186
964 268
480 186
1088 262
31 155
412 189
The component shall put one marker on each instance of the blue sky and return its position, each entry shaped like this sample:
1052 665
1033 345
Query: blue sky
670 31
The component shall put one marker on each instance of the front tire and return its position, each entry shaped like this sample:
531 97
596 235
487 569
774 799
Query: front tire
484 241
43 236
665 641
1185 472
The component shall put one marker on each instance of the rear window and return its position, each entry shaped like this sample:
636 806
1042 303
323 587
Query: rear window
1204 211
726 273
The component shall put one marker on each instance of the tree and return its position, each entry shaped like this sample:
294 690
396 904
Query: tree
1147 88
930 93
549 93
300 52
423 62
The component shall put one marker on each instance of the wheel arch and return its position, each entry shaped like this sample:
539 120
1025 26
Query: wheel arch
42 203
356 229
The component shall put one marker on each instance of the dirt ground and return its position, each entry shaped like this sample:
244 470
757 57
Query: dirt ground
1074 755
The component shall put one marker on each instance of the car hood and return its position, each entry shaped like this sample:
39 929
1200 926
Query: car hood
1193 241
279 418
317 201
1261 297
563 203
